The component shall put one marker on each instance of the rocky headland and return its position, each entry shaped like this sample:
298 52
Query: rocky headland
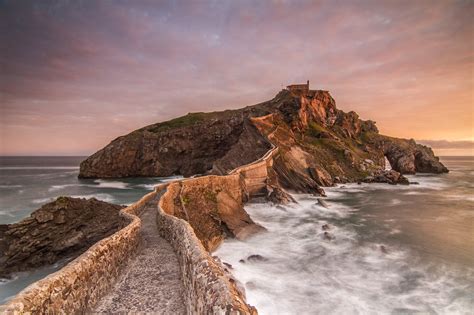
62 229
319 145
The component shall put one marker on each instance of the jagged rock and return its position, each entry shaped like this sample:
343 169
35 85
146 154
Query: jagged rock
327 236
322 203
387 176
58 230
278 195
256 258
213 206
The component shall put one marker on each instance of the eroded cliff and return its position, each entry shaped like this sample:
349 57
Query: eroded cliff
319 145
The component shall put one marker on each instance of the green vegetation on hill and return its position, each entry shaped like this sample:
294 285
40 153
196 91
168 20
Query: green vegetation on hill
183 121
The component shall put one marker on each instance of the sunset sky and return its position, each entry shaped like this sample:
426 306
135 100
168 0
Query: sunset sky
76 74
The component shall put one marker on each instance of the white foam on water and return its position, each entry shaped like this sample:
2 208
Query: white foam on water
10 186
43 200
103 197
60 187
110 184
148 186
171 178
395 201
308 274
6 213
460 197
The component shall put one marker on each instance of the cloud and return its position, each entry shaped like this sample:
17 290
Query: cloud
124 64
445 144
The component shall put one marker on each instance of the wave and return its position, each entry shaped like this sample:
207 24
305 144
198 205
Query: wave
10 186
170 179
60 187
110 184
148 186
317 264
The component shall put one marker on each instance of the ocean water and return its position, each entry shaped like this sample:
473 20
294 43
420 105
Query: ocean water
26 183
388 249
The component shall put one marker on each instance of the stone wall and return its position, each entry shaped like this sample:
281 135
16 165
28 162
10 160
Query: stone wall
209 288
255 174
80 284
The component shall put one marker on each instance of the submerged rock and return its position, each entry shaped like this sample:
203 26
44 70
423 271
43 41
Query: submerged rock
323 203
325 227
256 258
58 230
327 236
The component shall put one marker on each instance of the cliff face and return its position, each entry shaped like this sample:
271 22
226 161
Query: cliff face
318 144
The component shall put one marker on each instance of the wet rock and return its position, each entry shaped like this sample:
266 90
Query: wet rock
329 237
387 176
322 203
383 249
277 195
256 258
250 285
228 265
242 261
325 227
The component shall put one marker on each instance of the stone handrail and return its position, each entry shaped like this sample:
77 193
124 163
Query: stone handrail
78 286
208 288
82 282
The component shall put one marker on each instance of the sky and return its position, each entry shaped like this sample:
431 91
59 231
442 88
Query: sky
74 75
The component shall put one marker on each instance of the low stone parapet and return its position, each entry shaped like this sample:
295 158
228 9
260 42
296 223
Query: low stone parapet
78 286
209 289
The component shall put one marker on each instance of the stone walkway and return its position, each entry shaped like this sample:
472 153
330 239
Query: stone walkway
152 281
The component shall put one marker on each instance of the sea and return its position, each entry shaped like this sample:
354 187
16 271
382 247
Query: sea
26 183
388 249
372 249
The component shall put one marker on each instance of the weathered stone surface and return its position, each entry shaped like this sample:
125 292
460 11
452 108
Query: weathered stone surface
78 286
61 229
152 281
213 205
209 289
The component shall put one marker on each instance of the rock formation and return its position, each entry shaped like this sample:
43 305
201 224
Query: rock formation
319 145
58 230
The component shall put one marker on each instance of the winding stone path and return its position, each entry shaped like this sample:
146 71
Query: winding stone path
152 281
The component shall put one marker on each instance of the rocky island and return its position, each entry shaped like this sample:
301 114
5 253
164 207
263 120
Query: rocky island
297 141
319 144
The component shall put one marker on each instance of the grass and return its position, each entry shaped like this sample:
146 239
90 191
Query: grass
315 129
210 195
183 121
185 200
